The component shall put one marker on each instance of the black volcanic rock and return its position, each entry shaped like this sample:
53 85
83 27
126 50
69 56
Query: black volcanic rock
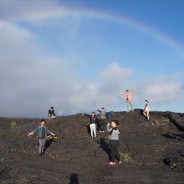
153 151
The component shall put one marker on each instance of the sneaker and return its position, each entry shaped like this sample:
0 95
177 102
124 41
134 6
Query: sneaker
112 163
120 162
100 131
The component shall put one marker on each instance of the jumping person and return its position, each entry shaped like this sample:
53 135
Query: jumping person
102 119
146 110
128 96
114 132
41 130
93 123
51 113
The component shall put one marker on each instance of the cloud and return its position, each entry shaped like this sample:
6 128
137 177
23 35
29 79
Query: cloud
161 89
9 9
115 72
30 77
33 77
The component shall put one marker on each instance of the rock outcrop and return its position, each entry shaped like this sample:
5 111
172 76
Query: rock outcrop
152 151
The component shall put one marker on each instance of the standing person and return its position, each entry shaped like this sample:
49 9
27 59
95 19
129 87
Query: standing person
51 113
114 132
146 110
41 130
128 96
93 123
102 119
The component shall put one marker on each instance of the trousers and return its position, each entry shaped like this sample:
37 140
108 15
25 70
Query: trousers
41 146
114 150
93 129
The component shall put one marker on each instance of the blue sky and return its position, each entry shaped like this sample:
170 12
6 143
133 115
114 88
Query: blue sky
78 55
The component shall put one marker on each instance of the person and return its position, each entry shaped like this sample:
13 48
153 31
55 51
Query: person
146 110
128 96
112 129
102 119
41 130
51 113
93 123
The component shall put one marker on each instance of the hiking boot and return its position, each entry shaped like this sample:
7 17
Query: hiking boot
112 163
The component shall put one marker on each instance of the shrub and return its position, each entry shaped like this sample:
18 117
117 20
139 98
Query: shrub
125 157
13 124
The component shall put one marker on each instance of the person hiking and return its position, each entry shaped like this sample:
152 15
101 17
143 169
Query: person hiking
102 119
128 98
112 129
51 113
93 122
146 110
41 130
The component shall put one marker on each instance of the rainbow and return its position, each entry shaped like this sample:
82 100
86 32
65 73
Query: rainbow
96 14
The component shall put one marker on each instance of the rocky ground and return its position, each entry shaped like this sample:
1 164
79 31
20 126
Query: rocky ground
152 152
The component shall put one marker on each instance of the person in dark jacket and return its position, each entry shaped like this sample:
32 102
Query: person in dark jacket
41 130
93 123
51 113
114 132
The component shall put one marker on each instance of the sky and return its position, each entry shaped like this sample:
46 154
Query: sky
79 55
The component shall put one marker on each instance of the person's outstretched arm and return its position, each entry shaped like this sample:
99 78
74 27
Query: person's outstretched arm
48 131
33 132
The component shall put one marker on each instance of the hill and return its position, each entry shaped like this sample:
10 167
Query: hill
153 152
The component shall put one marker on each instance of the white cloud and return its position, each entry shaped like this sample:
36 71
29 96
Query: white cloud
161 89
115 72
32 78
9 9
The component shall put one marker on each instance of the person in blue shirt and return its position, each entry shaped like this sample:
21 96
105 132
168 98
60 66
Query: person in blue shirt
41 130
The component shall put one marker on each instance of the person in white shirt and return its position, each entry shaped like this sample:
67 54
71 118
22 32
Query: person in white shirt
146 110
